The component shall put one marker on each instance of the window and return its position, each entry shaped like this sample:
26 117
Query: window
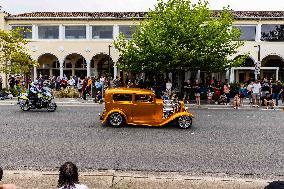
102 32
272 32
248 33
127 30
75 32
122 97
143 98
25 31
48 32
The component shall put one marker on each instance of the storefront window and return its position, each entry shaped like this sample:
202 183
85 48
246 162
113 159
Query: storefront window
48 32
272 32
75 32
102 32
127 30
26 31
248 33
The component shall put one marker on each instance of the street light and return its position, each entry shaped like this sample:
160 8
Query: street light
109 46
257 64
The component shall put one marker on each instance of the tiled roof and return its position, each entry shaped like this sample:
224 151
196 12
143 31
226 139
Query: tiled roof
129 15
79 15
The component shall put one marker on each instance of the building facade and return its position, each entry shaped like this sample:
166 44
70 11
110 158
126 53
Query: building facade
80 43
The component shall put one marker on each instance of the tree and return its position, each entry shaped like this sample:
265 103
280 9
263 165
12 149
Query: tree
178 35
13 55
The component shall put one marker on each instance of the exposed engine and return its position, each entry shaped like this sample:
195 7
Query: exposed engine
170 107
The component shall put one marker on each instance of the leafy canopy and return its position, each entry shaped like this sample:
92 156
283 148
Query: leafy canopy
13 55
178 35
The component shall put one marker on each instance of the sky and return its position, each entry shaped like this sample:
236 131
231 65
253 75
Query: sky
22 6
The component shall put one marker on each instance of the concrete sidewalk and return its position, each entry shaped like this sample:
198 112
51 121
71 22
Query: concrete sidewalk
90 101
110 179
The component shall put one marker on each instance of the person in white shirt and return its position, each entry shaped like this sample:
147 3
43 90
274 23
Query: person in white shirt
256 88
69 177
169 87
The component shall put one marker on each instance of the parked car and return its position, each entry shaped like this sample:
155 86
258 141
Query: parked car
141 107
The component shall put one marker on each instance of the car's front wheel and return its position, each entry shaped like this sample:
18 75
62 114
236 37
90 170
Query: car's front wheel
184 122
116 119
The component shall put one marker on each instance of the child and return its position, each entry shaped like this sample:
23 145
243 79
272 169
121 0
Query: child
209 96
236 101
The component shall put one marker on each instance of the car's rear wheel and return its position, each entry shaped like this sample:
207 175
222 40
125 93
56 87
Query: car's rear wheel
116 119
184 122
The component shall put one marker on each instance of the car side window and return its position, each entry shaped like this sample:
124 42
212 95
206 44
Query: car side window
143 98
122 97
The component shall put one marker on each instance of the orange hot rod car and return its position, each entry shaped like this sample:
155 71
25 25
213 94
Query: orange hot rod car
141 107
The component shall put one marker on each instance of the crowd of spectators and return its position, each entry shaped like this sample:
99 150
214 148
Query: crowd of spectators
265 92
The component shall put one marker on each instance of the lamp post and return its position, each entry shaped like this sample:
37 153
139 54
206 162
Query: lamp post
257 64
108 61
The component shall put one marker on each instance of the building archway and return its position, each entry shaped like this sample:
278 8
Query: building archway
74 65
48 65
273 61
102 64
246 71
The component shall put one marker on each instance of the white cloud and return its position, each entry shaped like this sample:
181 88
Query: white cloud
20 6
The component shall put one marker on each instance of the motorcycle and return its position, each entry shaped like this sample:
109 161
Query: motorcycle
44 99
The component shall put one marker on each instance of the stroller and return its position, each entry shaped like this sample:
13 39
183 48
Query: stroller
222 99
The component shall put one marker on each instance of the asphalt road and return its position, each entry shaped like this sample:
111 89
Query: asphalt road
234 142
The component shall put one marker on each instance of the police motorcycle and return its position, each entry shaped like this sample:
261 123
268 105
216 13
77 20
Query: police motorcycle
37 99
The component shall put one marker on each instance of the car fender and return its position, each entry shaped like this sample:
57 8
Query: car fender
115 110
176 115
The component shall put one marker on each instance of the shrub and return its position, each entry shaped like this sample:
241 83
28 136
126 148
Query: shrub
67 93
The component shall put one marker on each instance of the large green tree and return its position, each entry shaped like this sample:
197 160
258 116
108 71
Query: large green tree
179 35
14 57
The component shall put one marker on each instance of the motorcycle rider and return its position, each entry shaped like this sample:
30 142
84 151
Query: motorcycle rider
34 90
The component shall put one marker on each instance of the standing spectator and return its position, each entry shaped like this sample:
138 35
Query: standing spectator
79 86
276 90
187 90
1 82
89 87
11 81
57 83
85 88
217 91
249 89
197 92
169 86
69 177
256 87
242 94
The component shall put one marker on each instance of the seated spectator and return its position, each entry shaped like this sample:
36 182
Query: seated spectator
5 186
268 101
275 185
236 101
69 177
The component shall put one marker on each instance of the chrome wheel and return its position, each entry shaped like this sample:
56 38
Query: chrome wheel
184 122
116 119
51 107
24 105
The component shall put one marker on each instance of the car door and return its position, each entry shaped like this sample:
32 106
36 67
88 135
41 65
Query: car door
144 108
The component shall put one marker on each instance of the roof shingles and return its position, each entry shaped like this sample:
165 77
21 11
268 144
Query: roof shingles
46 15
